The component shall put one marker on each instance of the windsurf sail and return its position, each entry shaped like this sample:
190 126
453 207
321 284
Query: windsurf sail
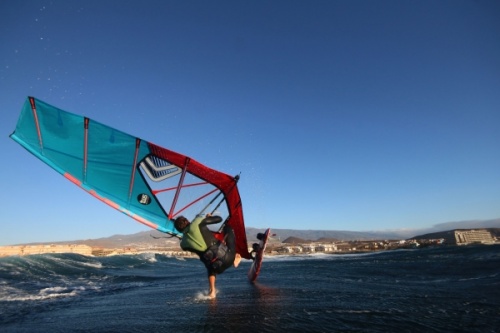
151 184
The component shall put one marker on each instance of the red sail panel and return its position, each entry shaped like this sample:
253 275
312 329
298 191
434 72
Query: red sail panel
224 182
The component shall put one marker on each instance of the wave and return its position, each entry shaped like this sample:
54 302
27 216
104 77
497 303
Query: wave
56 276
13 294
324 256
47 264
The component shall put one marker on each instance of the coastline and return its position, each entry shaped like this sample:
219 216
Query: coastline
291 246
272 250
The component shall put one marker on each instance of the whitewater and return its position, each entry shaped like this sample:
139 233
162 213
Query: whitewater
423 290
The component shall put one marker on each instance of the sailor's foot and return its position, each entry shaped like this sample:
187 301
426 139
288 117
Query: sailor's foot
237 259
260 236
212 294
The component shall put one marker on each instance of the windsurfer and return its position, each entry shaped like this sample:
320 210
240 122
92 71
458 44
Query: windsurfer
215 254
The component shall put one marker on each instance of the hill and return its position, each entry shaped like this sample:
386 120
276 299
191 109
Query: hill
153 238
143 239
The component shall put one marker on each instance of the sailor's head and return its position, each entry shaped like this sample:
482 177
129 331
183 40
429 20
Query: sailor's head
181 223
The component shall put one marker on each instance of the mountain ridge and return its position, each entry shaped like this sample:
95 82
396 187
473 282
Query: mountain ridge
154 238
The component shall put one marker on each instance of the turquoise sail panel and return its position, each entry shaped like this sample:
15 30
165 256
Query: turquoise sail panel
98 158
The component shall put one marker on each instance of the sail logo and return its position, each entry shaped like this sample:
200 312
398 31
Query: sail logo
144 199
158 169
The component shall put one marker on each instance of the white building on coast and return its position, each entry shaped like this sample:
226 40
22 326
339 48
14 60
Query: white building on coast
464 237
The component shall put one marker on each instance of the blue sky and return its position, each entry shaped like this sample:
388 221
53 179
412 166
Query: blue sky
342 115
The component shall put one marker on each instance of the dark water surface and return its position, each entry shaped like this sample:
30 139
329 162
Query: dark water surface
448 289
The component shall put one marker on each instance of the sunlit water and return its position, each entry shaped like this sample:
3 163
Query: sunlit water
427 290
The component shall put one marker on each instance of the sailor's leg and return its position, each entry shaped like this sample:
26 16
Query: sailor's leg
211 286
229 237
232 258
237 260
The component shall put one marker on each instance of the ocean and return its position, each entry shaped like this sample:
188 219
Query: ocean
443 289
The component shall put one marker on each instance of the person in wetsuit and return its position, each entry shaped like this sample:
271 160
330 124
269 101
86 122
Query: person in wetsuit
216 255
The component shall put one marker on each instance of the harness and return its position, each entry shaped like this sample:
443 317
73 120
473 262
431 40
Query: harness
214 257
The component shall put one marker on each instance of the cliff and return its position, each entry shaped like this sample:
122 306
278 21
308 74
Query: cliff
24 250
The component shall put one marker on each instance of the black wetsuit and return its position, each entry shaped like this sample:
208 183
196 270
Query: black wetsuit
216 255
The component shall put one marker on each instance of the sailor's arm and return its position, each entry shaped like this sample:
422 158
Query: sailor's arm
209 219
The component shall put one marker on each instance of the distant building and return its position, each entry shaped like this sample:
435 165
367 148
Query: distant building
325 248
464 237
308 248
